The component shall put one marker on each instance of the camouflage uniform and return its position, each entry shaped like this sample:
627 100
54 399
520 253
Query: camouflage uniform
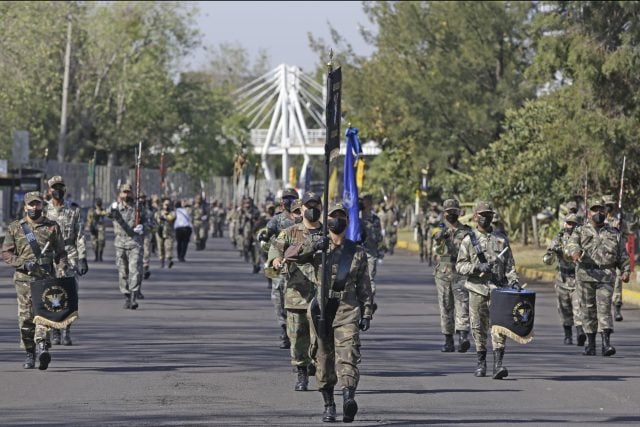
149 233
96 227
200 216
501 273
129 249
275 225
433 220
17 252
165 235
373 243
218 215
599 252
419 227
568 295
453 298
616 223
390 227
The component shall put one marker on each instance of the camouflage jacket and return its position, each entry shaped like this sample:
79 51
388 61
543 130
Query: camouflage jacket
72 230
300 289
371 229
164 221
601 252
503 270
448 248
16 250
124 219
566 266
199 215
390 221
356 299
278 223
433 218
95 220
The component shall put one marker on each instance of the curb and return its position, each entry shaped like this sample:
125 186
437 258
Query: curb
628 296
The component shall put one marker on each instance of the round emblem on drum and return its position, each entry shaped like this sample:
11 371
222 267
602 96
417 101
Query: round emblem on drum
55 299
522 313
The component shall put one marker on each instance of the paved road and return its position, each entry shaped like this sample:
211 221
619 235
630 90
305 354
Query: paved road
202 349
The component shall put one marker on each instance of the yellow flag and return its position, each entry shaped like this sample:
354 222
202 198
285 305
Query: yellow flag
333 184
293 177
360 173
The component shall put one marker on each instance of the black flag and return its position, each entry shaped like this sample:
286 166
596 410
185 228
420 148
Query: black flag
55 301
334 95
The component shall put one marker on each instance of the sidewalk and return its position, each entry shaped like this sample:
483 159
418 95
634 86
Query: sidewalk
630 291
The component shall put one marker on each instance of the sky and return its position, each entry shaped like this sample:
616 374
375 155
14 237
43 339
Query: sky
279 27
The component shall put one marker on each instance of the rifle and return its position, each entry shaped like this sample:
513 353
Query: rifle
255 181
620 215
586 202
138 164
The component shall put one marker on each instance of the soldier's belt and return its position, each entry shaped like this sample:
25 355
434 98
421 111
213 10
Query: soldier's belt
331 294
594 266
568 271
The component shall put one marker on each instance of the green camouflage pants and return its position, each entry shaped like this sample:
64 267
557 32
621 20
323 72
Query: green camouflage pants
200 232
596 306
453 300
372 265
165 248
146 257
30 333
337 355
479 315
129 263
616 299
568 305
97 240
298 332
277 297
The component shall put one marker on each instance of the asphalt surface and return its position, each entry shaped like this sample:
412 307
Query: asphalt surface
202 349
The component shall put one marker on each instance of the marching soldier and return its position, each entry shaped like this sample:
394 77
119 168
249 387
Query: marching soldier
165 217
372 239
453 298
72 232
277 224
218 215
129 245
24 249
149 229
419 225
568 295
433 220
598 250
200 217
96 227
349 309
613 221
487 262
249 217
299 288
390 226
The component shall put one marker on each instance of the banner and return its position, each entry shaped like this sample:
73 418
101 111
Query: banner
350 188
512 313
332 119
55 301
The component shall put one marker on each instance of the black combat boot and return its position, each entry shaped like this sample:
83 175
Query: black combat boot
607 348
303 379
170 264
499 371
568 340
127 301
463 341
132 301
66 336
448 344
30 360
481 369
55 336
582 337
147 273
590 348
617 310
139 295
349 405
43 355
329 415
284 338
97 257
311 370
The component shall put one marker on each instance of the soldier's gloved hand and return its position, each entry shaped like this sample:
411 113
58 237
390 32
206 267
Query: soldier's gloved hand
625 277
321 243
515 285
440 235
203 218
83 266
262 236
365 324
483 267
139 229
31 266
114 206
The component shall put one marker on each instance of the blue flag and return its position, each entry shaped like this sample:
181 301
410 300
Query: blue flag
350 192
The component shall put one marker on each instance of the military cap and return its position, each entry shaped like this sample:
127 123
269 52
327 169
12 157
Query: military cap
451 204
483 206
367 197
310 196
608 200
290 192
571 218
571 205
55 180
125 187
296 205
337 207
596 202
142 195
32 196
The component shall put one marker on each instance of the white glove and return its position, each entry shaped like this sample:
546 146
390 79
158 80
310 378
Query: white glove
114 205
138 229
203 218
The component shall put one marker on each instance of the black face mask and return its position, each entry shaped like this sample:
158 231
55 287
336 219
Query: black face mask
129 199
286 203
57 194
34 214
598 218
298 219
312 214
485 221
337 225
569 229
452 218
360 206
